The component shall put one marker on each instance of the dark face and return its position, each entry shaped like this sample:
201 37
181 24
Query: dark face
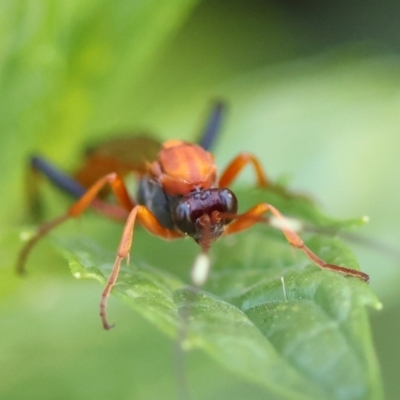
201 214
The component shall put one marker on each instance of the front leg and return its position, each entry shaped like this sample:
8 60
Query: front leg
151 224
256 214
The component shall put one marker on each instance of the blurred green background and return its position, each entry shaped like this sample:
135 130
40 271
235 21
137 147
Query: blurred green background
313 89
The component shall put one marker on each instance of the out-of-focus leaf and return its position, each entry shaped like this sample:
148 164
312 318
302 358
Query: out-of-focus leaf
68 70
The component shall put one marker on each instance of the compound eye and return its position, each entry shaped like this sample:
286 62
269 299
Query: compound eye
182 218
229 201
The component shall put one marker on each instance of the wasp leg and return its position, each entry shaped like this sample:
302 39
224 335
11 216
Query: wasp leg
40 166
255 214
78 208
235 167
213 126
118 188
151 224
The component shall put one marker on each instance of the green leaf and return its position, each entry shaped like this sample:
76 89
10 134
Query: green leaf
265 314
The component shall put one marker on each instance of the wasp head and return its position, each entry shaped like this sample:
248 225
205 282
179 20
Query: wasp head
203 214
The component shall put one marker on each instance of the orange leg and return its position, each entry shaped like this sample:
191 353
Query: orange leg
255 215
117 186
236 166
150 223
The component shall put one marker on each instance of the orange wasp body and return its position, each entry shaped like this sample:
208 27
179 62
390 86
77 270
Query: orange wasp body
179 195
